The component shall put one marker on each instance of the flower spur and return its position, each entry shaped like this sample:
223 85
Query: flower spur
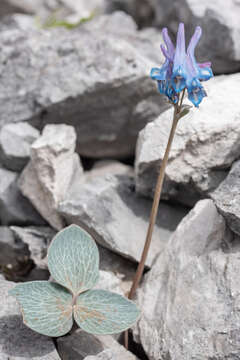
180 70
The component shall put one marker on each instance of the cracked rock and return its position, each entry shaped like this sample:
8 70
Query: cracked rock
190 297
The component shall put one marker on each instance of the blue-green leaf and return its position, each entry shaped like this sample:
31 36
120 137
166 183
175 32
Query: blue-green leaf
46 307
104 312
73 259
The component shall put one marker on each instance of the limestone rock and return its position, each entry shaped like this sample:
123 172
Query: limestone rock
190 298
206 143
78 345
14 208
36 239
110 210
17 341
227 198
15 143
51 172
217 21
103 167
103 89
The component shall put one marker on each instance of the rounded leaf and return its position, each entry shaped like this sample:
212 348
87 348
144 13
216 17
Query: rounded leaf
46 307
104 312
73 259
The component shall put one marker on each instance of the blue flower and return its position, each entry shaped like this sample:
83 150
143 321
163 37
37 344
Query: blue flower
180 70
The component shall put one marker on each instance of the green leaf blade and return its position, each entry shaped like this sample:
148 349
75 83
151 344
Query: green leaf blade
73 259
102 312
46 307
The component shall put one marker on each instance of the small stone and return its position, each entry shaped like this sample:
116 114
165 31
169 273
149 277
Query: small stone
80 344
51 172
110 282
18 342
117 218
190 298
15 143
227 198
205 145
14 208
37 239
104 167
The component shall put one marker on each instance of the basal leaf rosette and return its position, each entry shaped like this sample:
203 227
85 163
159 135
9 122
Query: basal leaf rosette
50 308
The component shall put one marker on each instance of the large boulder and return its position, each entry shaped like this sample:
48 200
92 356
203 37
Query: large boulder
206 143
16 340
220 42
111 211
103 89
190 298
227 198
50 174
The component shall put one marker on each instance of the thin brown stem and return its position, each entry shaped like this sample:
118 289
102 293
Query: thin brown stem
154 211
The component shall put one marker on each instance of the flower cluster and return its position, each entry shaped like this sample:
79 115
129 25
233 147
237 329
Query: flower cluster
180 69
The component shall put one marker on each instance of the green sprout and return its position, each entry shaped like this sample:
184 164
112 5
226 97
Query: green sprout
50 308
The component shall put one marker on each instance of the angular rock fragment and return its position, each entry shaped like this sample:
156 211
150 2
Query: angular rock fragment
49 176
190 298
78 345
104 167
15 209
15 143
227 198
110 210
18 341
104 89
204 147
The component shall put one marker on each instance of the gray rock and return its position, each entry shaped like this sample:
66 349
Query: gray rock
103 167
51 172
190 298
15 142
80 344
110 282
37 240
13 252
103 90
17 342
14 208
117 218
205 145
216 24
227 198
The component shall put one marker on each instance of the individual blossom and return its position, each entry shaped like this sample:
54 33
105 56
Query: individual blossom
180 70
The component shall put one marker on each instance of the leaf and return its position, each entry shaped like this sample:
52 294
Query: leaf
46 307
73 259
103 312
185 110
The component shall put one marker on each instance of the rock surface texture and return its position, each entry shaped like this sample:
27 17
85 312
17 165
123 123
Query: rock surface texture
206 143
227 198
220 23
50 174
190 298
17 342
110 210
103 89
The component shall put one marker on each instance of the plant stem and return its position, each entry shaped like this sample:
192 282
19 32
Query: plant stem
154 211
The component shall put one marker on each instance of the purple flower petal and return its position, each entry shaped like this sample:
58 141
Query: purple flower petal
168 42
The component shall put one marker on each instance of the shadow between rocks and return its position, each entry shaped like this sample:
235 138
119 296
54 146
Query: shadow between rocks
19 341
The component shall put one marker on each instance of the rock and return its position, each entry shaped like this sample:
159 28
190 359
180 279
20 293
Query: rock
110 282
80 344
36 239
104 90
12 252
15 142
205 145
117 218
226 197
61 9
14 208
17 341
216 24
53 168
103 167
190 298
